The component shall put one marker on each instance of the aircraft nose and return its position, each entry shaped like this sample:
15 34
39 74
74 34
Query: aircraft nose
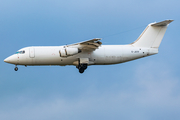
11 59
6 60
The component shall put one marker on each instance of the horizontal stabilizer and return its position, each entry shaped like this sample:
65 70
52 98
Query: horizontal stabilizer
163 23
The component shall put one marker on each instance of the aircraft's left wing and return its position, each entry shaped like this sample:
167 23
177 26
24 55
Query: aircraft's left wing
89 45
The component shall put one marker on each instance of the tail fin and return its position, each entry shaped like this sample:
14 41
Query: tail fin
152 36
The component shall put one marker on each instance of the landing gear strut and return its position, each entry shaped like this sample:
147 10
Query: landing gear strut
16 68
82 67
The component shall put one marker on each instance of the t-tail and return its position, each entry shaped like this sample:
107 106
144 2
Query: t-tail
152 36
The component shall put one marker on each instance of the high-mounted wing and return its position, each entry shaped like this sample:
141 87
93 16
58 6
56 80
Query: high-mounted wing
89 45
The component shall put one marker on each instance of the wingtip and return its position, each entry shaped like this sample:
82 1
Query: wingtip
97 38
170 20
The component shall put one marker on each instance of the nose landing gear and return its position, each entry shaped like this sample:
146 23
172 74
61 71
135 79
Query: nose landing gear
16 68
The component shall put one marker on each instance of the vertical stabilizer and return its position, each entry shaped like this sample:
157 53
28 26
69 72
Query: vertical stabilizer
152 36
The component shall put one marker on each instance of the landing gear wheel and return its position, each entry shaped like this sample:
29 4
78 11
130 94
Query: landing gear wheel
81 70
81 67
16 68
84 66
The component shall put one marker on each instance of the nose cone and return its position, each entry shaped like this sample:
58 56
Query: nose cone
11 59
6 60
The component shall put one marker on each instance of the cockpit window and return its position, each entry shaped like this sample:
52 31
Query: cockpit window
20 52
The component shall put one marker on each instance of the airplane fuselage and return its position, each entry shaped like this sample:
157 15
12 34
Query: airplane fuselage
92 52
105 54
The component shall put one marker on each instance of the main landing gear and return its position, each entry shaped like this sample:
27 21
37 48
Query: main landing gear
81 67
16 68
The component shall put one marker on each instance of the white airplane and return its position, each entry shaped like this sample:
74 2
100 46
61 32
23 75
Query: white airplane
91 52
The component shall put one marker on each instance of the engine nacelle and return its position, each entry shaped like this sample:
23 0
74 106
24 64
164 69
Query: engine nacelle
65 52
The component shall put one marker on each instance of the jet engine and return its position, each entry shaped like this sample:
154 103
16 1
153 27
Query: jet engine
65 52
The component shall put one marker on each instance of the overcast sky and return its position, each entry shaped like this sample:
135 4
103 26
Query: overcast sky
144 89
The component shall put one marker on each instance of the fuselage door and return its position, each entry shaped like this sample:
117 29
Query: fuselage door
31 52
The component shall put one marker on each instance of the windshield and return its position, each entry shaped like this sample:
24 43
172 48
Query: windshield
20 52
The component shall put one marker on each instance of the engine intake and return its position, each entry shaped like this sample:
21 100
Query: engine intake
65 52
